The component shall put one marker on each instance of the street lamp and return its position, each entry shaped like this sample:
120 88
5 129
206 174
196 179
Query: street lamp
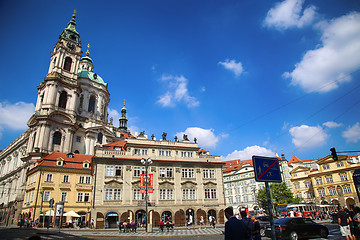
146 162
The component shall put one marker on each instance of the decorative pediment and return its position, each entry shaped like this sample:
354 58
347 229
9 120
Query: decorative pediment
99 128
136 184
166 184
189 184
62 118
113 184
300 169
210 184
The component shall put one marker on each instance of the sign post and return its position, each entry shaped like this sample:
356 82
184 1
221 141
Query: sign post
267 170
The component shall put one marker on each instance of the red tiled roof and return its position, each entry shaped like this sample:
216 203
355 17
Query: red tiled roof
294 159
202 150
111 146
233 165
75 163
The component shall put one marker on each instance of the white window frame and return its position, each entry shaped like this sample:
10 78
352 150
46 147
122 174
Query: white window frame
65 178
166 194
46 196
49 177
189 194
63 197
109 171
137 195
209 173
187 173
210 193
138 171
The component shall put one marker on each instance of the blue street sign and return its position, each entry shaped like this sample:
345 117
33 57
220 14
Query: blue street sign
266 169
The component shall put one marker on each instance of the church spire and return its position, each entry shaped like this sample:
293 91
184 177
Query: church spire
123 120
70 32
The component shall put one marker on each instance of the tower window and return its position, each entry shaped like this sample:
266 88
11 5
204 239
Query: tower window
63 99
68 62
57 138
100 137
91 104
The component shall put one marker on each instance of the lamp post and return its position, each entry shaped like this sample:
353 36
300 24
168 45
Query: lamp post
146 162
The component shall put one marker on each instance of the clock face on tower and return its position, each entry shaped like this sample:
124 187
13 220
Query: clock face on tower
71 46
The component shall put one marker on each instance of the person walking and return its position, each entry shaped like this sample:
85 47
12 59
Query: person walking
344 224
202 222
248 224
256 232
234 228
190 222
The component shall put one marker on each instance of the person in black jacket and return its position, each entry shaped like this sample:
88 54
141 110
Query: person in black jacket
234 228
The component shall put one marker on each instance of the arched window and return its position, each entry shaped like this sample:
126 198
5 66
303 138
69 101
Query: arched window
63 99
91 104
100 137
67 65
57 138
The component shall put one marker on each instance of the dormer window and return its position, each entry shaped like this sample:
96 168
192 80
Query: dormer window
86 164
67 64
70 155
60 162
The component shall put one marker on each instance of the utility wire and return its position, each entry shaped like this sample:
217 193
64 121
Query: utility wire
318 111
340 115
292 101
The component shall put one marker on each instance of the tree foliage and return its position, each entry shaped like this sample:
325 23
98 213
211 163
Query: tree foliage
280 194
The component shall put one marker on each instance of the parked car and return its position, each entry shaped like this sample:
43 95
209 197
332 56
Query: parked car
264 221
295 228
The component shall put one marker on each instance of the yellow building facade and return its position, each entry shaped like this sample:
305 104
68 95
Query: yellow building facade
65 178
331 183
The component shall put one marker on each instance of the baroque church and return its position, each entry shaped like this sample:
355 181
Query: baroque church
71 116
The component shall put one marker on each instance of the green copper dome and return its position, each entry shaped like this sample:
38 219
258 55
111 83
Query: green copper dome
92 76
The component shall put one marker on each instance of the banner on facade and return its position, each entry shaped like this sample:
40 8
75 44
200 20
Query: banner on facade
150 187
142 183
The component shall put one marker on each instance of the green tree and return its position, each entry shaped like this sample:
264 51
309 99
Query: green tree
280 194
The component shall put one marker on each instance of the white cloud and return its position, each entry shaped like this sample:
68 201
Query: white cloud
307 136
334 60
332 124
177 92
248 152
352 134
115 115
205 137
288 14
15 116
232 65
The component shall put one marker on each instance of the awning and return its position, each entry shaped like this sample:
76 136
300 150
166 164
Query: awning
71 214
48 213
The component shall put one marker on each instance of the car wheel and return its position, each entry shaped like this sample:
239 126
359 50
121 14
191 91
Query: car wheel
294 236
262 232
323 233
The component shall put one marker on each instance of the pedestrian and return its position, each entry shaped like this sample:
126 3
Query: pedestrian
120 225
351 223
92 224
248 224
234 228
190 222
161 225
344 224
256 232
202 222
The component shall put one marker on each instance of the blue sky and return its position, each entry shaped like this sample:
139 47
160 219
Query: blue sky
243 77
